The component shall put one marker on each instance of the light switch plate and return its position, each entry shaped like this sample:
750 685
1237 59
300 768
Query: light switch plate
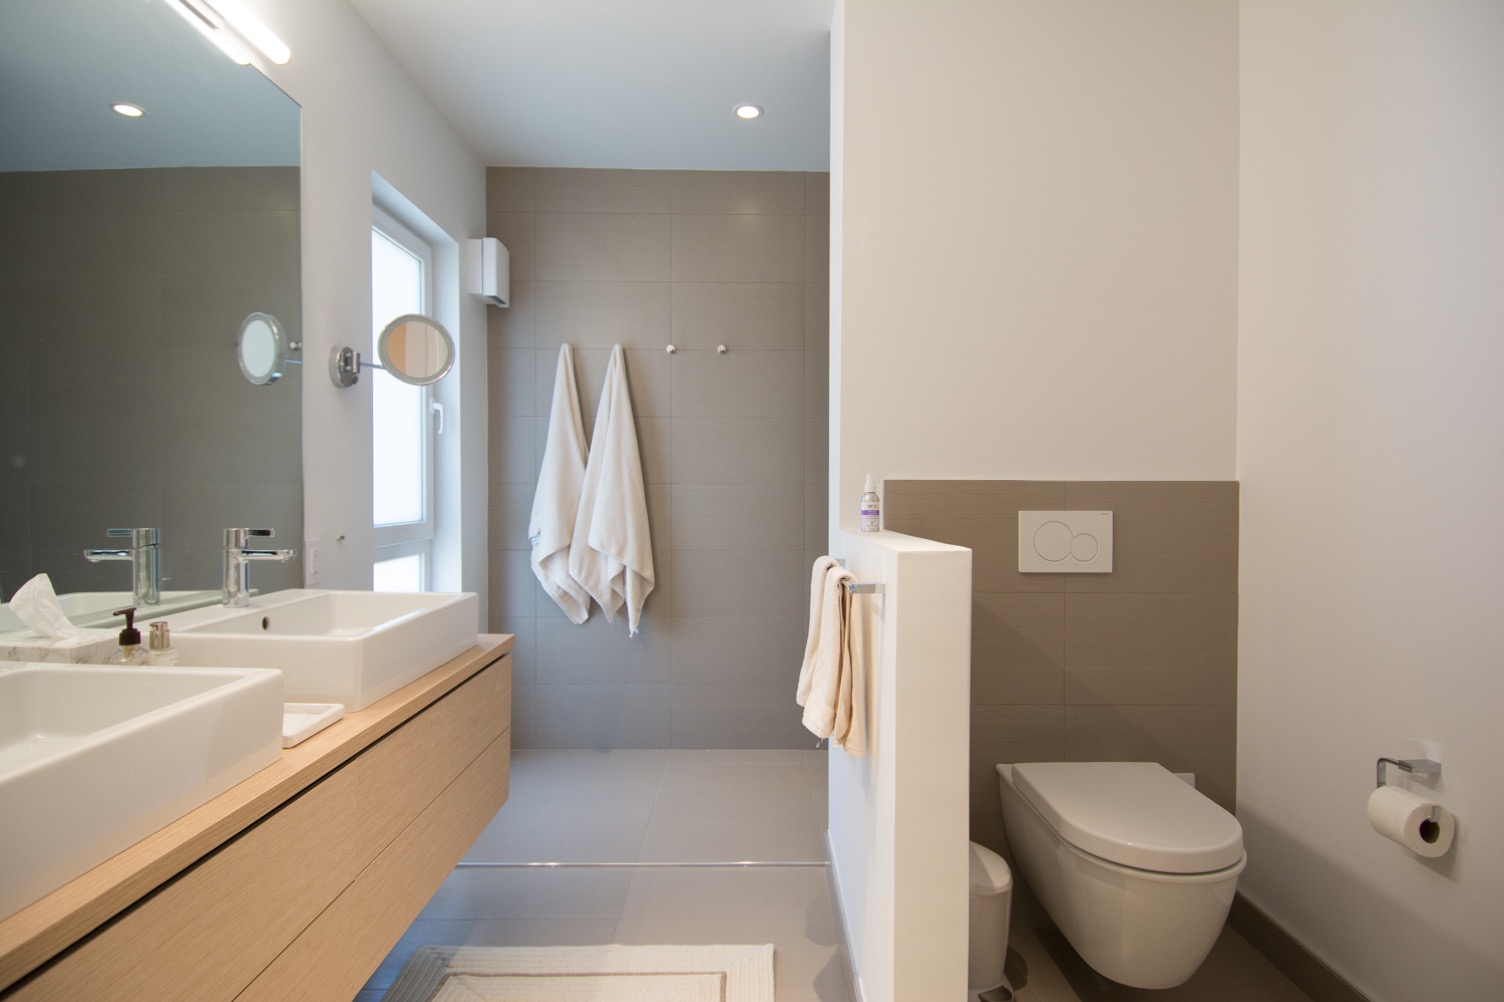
1065 542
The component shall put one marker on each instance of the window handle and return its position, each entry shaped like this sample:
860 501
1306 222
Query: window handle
438 415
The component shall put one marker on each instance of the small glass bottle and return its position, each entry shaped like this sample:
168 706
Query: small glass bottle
159 649
130 652
872 507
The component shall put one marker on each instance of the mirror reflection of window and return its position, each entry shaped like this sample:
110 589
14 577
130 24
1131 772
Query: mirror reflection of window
402 446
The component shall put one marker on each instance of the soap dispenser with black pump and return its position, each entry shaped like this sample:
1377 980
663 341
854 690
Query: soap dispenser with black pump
131 652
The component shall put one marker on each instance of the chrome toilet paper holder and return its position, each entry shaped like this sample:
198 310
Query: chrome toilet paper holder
1414 766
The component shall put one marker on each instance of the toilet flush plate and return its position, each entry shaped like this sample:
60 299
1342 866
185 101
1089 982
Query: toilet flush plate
1065 542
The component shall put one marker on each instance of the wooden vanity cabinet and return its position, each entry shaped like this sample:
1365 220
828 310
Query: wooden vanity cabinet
360 826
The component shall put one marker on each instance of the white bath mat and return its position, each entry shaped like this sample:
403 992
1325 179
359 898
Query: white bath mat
609 973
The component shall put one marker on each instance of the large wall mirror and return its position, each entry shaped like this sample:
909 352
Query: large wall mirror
131 250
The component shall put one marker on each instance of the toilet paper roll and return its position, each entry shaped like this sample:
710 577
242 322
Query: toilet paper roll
1404 817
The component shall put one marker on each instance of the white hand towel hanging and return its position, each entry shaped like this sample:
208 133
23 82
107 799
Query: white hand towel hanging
819 697
823 566
556 502
611 553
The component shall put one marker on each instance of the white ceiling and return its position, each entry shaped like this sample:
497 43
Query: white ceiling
622 83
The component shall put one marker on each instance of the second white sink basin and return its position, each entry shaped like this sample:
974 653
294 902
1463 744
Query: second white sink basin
350 647
93 759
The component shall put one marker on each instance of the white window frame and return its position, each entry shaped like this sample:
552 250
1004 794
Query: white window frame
406 538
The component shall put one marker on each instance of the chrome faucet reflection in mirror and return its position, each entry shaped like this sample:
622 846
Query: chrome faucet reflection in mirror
146 563
238 555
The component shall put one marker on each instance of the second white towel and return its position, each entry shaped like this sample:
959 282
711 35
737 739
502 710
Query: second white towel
611 552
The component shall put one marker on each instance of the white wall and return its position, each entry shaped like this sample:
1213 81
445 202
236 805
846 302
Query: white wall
1034 214
1370 416
362 114
898 816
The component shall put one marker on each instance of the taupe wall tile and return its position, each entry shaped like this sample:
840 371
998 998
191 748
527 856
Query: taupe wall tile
1151 648
817 193
1017 648
600 716
604 313
724 248
1010 734
744 193
740 583
510 508
737 715
1167 536
738 384
738 450
714 517
563 189
733 447
595 652
729 649
601 247
741 315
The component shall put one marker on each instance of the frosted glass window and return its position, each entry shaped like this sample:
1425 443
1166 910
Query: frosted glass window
397 409
398 574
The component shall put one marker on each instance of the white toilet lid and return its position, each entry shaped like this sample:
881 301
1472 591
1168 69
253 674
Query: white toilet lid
1134 813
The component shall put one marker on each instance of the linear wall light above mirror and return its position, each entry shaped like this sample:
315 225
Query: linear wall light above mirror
231 27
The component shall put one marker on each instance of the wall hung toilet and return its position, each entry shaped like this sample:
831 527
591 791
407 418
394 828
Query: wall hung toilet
1136 867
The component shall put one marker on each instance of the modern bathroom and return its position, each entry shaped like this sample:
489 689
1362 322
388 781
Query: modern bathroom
1209 287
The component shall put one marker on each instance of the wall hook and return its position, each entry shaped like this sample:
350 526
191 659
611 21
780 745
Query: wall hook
721 348
671 349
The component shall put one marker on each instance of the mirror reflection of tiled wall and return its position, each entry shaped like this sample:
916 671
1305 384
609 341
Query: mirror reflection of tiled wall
121 403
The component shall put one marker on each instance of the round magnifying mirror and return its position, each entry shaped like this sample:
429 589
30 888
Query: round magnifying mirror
263 349
416 349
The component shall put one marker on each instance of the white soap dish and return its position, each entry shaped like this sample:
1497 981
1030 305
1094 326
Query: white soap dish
301 721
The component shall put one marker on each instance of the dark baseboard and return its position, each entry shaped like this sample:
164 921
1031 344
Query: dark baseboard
1310 974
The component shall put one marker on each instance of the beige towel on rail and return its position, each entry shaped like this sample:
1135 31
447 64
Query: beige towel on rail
833 689
611 553
823 565
556 502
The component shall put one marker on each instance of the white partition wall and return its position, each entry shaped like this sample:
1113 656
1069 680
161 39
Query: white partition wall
898 816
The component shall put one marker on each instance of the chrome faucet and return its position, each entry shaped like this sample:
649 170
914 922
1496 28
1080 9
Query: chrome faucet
237 590
146 564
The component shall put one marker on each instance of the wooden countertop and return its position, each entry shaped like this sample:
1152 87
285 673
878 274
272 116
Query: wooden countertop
48 926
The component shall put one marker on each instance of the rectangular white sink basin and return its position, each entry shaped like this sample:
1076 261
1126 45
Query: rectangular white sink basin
350 647
93 759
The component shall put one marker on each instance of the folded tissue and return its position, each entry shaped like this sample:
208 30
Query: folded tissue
49 630
36 605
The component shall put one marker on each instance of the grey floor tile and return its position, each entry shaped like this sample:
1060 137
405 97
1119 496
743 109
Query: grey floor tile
771 799
709 842
530 894
580 769
708 894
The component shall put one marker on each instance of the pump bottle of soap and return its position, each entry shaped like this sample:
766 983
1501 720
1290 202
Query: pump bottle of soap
872 507
159 650
130 652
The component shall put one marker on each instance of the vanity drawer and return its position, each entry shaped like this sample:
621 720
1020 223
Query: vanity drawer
211 931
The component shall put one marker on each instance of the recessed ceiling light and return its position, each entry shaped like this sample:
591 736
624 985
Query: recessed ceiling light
128 110
748 112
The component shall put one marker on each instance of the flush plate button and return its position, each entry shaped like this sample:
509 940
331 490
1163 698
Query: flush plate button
1065 542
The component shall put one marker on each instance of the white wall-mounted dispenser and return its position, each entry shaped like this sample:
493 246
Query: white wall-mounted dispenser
488 270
